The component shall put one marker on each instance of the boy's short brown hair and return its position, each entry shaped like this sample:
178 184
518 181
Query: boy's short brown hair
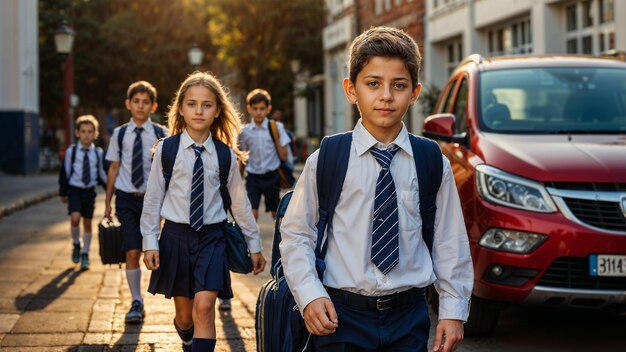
88 119
258 96
142 87
384 42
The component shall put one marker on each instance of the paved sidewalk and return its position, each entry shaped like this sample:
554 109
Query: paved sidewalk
48 304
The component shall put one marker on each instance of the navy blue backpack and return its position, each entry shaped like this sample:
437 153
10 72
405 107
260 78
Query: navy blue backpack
279 324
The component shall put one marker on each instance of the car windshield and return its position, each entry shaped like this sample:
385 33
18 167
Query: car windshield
554 100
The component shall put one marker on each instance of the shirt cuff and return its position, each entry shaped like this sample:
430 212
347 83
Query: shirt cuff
307 293
254 246
150 243
453 308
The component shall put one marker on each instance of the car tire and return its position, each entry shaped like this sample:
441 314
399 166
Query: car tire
483 318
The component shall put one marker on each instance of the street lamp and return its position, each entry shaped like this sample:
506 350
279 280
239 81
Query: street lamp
195 55
64 40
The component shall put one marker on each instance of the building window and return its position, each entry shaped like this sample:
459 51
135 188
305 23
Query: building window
587 14
606 11
571 18
572 46
387 5
378 7
596 33
454 54
511 39
588 45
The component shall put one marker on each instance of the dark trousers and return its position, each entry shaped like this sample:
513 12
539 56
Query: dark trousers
128 207
398 329
268 185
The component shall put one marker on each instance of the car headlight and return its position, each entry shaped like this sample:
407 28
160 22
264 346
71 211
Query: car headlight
511 241
512 191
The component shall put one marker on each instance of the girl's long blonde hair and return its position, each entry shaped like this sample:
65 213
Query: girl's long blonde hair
225 127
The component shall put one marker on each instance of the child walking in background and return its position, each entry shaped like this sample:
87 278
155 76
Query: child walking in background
82 171
188 260
130 151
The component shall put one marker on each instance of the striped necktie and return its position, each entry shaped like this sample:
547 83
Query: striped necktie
196 209
137 164
385 231
86 172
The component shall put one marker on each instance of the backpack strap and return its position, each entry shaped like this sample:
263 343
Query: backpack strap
72 160
159 131
332 165
273 128
429 167
168 157
120 138
223 160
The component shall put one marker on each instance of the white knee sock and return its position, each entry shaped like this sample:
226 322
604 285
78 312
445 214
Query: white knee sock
134 283
86 242
75 231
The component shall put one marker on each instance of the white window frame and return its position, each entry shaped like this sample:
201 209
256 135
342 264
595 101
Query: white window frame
516 38
457 54
597 31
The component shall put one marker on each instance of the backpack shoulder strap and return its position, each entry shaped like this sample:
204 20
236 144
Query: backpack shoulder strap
159 131
168 157
429 166
72 160
332 165
223 160
120 138
273 128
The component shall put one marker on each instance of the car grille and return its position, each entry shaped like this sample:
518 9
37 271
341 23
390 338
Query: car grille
568 272
601 214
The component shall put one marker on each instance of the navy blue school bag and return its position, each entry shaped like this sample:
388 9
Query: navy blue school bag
279 324
236 247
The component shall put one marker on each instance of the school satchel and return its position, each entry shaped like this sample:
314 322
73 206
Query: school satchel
279 324
110 241
236 247
285 170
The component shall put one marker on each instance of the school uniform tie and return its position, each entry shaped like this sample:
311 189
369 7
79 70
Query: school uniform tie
385 244
196 209
137 163
86 174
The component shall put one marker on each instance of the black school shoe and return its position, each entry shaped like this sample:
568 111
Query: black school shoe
84 261
136 313
76 253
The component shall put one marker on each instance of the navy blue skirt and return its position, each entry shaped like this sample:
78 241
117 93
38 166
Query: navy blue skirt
191 262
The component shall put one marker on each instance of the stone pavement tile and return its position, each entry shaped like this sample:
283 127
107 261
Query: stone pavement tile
7 321
144 338
104 306
17 274
44 340
11 289
14 305
102 338
43 322
109 292
99 325
112 277
61 304
91 348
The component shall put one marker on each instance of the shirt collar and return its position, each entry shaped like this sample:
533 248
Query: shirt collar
188 142
364 140
133 125
263 125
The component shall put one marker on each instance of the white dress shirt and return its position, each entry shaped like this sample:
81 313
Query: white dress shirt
348 263
256 139
174 205
123 182
93 154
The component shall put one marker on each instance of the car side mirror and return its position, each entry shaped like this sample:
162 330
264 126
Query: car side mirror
441 127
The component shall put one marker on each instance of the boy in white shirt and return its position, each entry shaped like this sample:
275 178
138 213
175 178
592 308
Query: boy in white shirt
371 296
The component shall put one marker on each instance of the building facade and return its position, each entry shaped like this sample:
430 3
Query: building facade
457 28
19 87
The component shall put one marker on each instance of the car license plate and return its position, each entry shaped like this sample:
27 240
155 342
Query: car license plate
607 265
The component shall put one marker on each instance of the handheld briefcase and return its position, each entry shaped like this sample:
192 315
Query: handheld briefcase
110 240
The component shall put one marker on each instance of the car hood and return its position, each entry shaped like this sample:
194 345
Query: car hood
557 158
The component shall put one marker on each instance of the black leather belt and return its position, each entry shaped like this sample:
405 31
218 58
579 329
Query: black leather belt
376 302
134 194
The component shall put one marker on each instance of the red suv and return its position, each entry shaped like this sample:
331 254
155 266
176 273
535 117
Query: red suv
538 150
